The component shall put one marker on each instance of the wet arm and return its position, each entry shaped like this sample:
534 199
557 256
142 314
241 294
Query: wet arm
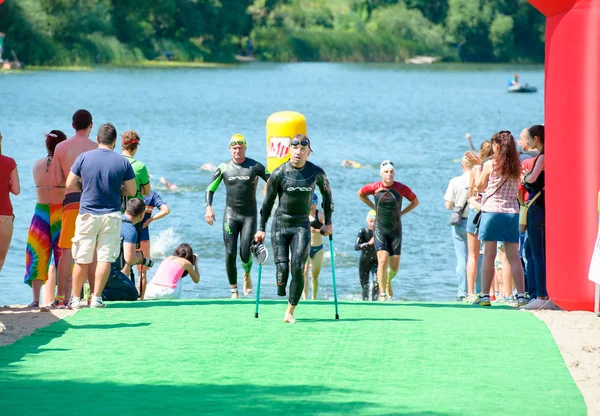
413 204
365 198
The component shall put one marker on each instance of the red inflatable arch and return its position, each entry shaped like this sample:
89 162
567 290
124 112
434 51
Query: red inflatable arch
572 121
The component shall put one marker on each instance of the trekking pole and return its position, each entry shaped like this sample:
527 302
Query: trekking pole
258 290
337 316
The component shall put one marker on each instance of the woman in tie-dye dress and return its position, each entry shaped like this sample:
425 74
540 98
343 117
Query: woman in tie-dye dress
42 240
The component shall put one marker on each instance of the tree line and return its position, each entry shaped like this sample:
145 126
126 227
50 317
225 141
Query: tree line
83 32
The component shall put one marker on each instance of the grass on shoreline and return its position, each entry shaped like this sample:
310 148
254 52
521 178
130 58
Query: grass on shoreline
144 64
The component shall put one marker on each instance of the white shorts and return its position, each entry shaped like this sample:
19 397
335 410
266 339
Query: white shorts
154 291
97 234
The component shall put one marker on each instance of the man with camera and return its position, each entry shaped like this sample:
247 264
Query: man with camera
119 286
455 199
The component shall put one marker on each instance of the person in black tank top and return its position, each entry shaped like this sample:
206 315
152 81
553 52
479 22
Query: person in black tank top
315 256
535 183
294 183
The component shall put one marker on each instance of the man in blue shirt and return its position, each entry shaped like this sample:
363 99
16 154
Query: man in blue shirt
119 286
103 176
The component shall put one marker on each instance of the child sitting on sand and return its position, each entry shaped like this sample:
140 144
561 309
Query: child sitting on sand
167 283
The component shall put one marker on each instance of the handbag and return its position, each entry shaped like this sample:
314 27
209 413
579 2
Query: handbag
477 217
523 210
456 215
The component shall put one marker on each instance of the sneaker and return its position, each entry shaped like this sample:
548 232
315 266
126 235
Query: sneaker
521 300
459 299
97 303
482 300
470 298
260 252
533 305
74 303
549 305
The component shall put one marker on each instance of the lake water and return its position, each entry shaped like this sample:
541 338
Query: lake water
415 116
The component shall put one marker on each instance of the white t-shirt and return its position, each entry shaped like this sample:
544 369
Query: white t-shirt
458 190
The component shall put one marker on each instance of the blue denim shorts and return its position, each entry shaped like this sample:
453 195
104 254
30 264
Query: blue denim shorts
470 225
499 226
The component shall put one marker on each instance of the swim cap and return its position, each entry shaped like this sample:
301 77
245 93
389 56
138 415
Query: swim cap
315 199
371 214
386 164
237 139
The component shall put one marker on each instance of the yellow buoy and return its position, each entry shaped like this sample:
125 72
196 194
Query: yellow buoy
281 127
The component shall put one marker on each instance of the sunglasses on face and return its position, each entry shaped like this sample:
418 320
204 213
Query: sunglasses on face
239 142
299 143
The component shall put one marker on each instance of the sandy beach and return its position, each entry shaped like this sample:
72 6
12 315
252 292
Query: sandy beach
19 321
577 335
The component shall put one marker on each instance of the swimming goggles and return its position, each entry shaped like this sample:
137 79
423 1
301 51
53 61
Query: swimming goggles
237 142
296 142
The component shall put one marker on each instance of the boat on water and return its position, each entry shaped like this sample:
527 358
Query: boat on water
420 60
522 88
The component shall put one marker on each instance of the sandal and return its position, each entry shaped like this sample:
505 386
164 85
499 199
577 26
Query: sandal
34 304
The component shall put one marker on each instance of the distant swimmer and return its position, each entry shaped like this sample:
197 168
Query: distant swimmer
170 186
350 163
387 195
294 183
470 140
208 167
240 175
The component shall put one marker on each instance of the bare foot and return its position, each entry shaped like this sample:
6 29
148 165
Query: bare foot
289 315
247 284
390 290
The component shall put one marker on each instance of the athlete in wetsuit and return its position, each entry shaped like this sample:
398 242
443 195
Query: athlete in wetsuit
294 183
367 264
388 225
240 175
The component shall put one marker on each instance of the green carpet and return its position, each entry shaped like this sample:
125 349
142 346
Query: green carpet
212 356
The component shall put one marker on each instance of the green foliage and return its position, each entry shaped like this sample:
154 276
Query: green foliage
83 32
501 36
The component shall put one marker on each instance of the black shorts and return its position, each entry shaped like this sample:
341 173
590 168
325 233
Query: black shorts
388 241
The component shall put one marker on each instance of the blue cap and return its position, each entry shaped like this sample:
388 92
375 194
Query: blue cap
315 199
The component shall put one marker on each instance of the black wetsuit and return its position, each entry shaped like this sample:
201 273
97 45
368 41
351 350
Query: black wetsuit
290 230
239 218
367 263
